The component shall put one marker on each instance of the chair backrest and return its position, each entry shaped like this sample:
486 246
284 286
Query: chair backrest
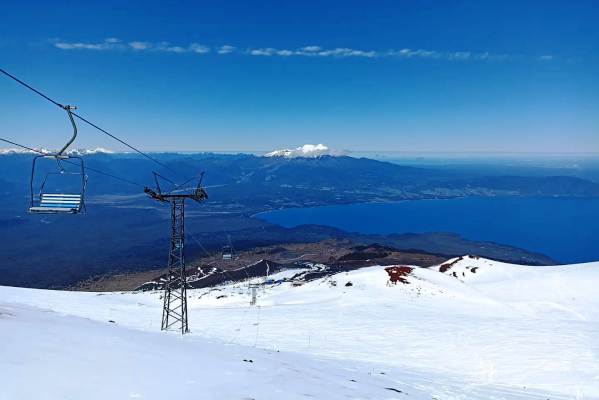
60 201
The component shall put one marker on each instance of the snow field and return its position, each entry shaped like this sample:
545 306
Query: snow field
492 331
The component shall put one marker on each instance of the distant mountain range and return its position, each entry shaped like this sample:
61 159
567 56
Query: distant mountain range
124 230
331 178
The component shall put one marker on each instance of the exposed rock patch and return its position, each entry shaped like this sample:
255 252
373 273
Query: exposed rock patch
399 274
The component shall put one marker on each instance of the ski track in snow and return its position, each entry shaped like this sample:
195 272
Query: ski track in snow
500 332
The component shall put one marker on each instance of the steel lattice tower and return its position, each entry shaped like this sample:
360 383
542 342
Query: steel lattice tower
174 311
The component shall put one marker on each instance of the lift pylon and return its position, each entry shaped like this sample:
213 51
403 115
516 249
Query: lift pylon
174 311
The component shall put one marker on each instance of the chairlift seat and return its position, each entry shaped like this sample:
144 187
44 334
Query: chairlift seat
57 203
47 201
227 252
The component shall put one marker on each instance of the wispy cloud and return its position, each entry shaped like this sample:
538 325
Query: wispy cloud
311 48
312 51
107 44
226 49
199 48
269 51
137 46
341 52
140 45
305 51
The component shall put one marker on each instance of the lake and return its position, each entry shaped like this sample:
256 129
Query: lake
566 229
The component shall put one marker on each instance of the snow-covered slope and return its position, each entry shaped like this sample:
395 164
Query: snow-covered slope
49 355
491 331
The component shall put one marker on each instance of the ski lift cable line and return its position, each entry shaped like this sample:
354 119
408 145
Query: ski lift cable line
22 146
87 121
246 308
177 187
201 245
113 176
68 162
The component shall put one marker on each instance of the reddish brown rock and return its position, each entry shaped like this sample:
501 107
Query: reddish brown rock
398 273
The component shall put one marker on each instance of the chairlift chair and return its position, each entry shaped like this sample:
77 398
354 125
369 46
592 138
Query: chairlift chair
227 252
52 199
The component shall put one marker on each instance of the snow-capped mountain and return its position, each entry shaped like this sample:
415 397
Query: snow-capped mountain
77 152
307 151
84 152
23 151
470 328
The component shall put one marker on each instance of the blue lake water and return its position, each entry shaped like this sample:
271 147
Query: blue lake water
566 229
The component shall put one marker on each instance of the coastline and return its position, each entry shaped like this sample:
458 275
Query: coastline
523 233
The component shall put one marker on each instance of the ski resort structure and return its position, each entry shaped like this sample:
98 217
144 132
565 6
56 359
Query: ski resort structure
174 311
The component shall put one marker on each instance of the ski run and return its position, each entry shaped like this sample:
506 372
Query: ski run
468 329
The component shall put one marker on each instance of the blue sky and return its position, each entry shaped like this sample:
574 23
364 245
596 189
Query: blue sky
404 76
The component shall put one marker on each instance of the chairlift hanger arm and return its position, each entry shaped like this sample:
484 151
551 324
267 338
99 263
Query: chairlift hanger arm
70 114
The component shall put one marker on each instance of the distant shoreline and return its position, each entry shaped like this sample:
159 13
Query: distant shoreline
540 224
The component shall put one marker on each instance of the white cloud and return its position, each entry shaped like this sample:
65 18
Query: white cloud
199 48
226 49
305 51
167 47
107 44
268 51
460 55
420 53
71 46
448 55
140 45
136 45
285 53
310 49
346 52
